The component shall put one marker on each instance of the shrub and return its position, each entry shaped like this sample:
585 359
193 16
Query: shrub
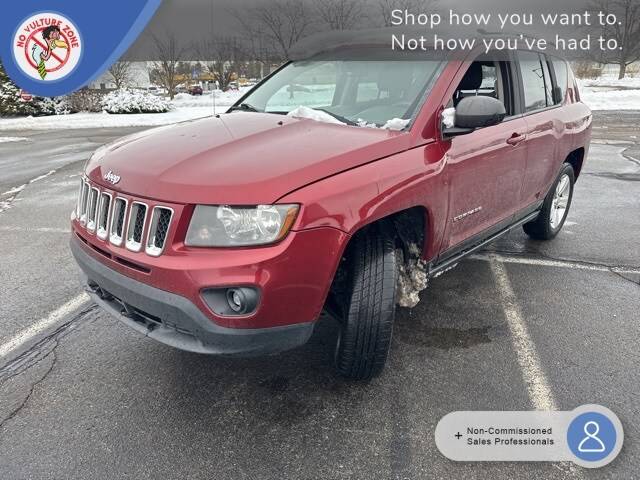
134 101
85 100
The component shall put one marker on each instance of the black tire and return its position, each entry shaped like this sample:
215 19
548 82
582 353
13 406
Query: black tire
542 227
365 335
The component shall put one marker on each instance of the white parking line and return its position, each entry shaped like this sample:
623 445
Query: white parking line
41 325
35 229
552 263
532 372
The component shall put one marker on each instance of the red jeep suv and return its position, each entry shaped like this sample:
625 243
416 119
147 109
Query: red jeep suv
335 184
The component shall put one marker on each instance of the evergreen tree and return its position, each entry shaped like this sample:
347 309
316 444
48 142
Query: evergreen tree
10 101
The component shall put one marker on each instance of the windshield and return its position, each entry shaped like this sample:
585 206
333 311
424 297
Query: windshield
355 92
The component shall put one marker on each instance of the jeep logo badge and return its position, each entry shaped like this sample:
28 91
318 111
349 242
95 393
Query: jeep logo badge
112 177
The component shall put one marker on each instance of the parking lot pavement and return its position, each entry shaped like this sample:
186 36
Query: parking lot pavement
522 324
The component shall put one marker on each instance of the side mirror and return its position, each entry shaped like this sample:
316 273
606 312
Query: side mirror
476 112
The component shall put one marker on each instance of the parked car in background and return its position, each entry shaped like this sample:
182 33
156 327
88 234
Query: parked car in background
195 90
231 234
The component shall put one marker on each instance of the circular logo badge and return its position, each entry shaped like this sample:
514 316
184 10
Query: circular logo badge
47 46
594 435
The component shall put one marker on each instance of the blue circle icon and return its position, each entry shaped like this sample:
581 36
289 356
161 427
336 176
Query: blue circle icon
591 436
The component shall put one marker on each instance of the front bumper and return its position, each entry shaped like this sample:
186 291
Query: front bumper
173 319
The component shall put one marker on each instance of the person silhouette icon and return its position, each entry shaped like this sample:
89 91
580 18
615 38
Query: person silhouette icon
594 435
591 443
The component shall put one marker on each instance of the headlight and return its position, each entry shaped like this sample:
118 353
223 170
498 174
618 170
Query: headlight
225 226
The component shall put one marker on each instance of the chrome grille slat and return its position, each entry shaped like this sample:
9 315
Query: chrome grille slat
135 229
118 219
104 215
158 230
92 208
83 203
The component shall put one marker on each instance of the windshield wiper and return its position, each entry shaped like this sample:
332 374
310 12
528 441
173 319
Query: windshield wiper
338 117
243 107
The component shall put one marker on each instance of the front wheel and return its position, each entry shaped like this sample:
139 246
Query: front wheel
365 334
555 207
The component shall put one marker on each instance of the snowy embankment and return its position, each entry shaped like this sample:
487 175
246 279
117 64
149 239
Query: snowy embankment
183 107
607 93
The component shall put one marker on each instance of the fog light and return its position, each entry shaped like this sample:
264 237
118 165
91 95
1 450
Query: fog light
236 300
232 301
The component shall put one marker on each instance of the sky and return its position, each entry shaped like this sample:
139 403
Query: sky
191 21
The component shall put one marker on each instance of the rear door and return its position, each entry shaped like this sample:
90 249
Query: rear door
485 167
541 98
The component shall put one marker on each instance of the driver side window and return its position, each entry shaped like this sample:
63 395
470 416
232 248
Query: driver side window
486 78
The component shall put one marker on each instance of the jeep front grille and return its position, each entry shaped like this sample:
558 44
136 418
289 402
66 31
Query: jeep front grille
123 222
137 219
117 220
158 230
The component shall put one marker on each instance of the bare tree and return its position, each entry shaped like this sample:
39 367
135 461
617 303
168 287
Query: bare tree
626 32
169 52
414 6
281 24
121 74
221 56
340 14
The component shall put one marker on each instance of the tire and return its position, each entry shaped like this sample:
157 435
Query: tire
365 334
551 219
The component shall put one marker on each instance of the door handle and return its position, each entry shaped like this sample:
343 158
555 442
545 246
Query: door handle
516 138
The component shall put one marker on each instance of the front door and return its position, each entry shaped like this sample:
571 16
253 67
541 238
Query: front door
485 167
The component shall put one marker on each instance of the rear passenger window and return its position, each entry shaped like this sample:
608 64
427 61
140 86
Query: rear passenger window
533 81
560 72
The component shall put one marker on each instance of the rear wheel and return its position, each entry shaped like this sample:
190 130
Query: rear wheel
555 207
366 326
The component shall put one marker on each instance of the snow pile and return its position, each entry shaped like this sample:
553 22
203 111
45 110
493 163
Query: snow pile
449 117
12 139
364 124
312 114
134 101
412 278
396 124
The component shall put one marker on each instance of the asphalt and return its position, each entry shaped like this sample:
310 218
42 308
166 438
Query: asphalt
89 398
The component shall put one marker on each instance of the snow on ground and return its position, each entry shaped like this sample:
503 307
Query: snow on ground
184 107
12 139
611 99
609 93
7 198
608 81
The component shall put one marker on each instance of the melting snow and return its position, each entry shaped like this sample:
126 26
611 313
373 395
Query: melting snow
413 279
312 114
396 124
12 139
449 117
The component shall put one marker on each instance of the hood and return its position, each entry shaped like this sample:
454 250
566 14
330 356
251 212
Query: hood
238 158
